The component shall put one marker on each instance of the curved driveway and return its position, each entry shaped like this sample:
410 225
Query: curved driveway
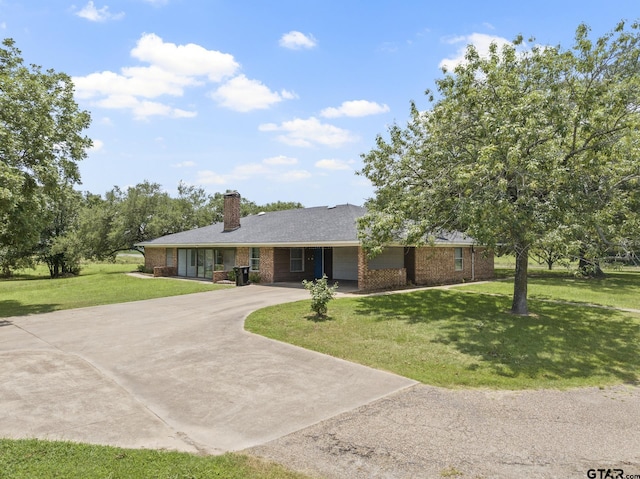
177 373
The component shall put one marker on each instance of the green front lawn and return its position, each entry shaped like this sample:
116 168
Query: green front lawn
459 339
33 292
26 459
621 290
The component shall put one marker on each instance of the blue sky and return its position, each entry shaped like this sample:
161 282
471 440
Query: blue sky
275 99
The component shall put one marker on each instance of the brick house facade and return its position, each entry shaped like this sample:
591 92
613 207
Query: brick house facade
293 245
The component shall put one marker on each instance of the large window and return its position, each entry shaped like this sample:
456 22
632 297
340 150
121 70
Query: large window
254 259
198 262
458 259
296 260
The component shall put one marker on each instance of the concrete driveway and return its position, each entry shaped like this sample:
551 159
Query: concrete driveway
177 373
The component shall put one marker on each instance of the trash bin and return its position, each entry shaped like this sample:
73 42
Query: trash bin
242 275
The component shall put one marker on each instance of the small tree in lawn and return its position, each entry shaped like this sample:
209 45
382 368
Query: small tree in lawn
321 294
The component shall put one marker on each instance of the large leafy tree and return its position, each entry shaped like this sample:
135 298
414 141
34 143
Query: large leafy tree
519 144
41 142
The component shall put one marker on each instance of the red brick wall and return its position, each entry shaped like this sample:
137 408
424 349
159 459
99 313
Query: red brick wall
436 265
242 257
484 264
220 276
154 257
370 280
165 271
266 265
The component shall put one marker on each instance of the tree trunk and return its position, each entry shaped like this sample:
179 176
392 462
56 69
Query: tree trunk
519 305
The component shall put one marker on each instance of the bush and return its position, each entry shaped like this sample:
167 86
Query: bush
254 278
231 275
321 294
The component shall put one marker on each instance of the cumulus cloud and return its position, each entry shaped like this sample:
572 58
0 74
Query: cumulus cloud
480 41
184 164
355 108
171 69
292 175
309 132
98 145
93 14
142 109
243 94
188 60
208 177
280 160
297 41
331 164
271 169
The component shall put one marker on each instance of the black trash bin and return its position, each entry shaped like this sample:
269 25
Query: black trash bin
242 275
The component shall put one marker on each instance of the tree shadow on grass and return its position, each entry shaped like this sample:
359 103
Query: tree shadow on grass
318 319
558 341
10 307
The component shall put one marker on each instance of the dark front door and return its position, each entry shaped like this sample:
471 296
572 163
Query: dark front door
317 263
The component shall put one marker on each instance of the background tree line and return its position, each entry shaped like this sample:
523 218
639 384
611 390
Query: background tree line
83 226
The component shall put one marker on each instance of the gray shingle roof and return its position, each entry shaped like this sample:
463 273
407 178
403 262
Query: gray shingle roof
319 226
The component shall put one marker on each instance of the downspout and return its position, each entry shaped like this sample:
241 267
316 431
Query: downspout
473 263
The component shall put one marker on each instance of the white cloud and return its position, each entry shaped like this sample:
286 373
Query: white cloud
98 145
170 71
208 177
269 168
335 165
480 41
93 14
280 160
297 41
310 132
242 94
184 164
172 68
355 108
142 109
185 60
291 176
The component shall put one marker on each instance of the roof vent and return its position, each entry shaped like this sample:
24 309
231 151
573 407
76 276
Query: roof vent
262 213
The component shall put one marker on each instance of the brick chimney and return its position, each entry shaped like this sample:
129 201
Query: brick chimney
231 211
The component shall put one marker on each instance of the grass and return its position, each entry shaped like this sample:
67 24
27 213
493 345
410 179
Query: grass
455 339
31 291
45 459
621 290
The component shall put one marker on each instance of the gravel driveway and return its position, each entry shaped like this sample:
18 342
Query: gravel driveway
428 432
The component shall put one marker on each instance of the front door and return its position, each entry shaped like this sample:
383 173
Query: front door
318 263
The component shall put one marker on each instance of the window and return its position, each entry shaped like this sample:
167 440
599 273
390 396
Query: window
296 261
219 260
254 259
457 257
208 263
169 259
